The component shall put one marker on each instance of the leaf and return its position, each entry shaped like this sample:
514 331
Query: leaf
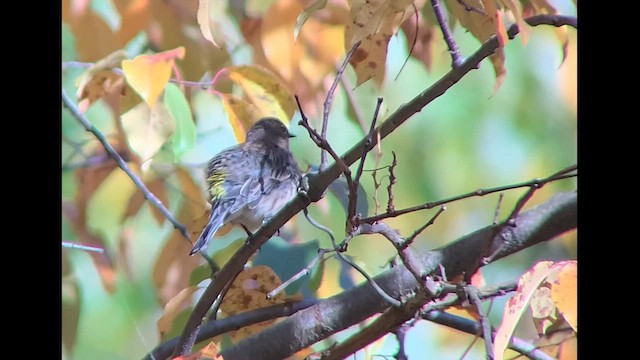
564 291
203 20
421 37
173 267
280 49
107 206
248 292
516 9
370 17
304 16
135 17
148 74
98 80
155 186
372 23
184 136
242 114
269 95
173 307
517 305
483 20
147 129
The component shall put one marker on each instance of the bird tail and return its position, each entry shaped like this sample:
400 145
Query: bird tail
216 220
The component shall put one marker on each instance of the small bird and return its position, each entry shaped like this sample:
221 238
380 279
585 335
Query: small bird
250 182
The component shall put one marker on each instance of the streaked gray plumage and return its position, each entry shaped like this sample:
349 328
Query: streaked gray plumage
250 182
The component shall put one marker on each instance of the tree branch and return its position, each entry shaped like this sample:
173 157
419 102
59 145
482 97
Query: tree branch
122 164
306 327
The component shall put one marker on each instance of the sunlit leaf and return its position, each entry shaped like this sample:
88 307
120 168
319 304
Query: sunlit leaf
147 129
184 136
280 49
148 74
518 304
564 291
242 115
369 17
203 20
268 94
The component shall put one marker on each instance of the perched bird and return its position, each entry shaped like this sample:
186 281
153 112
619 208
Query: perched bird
250 182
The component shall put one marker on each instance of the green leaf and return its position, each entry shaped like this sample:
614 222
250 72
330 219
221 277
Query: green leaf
184 136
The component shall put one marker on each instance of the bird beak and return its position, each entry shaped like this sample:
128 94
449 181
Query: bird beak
291 135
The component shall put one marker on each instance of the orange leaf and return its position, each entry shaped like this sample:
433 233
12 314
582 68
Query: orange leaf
564 291
249 291
148 74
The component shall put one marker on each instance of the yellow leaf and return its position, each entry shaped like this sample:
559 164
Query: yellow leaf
517 305
369 17
148 74
269 95
242 114
370 58
147 129
277 39
564 291
203 20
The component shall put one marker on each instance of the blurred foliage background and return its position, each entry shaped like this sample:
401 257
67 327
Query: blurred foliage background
471 137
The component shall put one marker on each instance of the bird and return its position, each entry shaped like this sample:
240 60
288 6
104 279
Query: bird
250 182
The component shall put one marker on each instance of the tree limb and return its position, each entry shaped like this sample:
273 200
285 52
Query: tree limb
306 327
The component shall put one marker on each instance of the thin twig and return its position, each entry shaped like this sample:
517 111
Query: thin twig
392 181
70 245
472 294
305 271
339 249
410 239
353 191
564 174
456 59
468 7
496 215
122 164
329 99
